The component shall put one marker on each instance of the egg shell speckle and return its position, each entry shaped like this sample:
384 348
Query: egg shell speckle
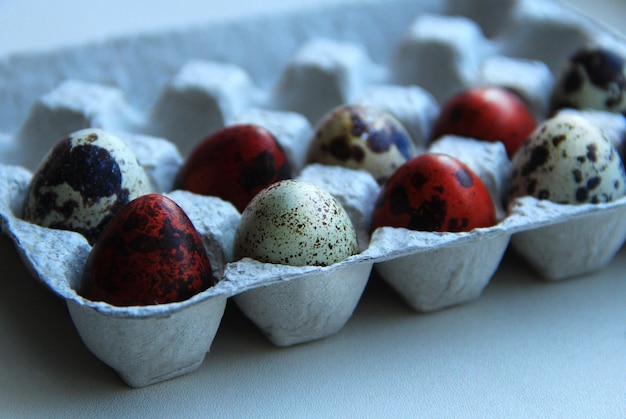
83 181
568 160
293 222
356 191
362 137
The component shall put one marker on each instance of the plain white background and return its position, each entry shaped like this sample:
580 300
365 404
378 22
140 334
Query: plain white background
526 348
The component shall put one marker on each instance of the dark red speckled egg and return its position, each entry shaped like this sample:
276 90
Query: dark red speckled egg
149 253
434 192
488 114
234 164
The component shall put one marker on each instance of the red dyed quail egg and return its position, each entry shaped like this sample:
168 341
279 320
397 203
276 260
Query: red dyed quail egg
82 182
361 137
149 253
234 164
489 114
594 78
293 222
568 160
434 192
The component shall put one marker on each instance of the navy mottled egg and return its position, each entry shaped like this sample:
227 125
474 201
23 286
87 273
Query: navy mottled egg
82 182
362 137
594 78
150 253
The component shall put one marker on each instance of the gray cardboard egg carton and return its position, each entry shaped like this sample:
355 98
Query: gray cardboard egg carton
285 72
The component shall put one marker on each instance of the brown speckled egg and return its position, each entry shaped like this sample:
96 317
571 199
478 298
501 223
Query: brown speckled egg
361 137
594 78
434 192
82 182
150 253
568 160
293 222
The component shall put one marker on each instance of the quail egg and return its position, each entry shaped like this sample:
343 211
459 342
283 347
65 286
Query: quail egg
594 78
434 192
361 137
149 253
568 160
489 114
293 222
83 181
234 164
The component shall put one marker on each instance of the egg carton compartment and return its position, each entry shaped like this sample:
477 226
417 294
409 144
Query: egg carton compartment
407 68
144 344
292 305
567 241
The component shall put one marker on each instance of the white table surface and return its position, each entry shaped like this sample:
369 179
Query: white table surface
525 348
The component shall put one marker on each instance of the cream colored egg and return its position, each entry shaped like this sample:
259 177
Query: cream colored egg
293 222
568 160
594 78
83 181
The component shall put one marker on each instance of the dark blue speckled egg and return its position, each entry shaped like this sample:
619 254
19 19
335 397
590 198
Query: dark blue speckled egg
83 181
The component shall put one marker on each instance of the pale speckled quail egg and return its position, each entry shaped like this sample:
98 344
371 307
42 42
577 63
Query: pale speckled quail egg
293 222
594 78
568 160
362 137
83 181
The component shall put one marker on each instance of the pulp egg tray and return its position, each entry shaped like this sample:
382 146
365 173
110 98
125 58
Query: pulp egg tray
162 93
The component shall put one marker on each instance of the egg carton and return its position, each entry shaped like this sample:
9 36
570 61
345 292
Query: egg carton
170 90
